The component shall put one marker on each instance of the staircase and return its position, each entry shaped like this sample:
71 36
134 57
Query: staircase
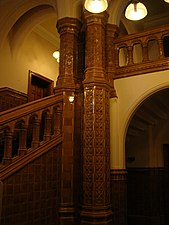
30 147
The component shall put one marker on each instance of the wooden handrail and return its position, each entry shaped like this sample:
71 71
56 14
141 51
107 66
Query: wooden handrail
28 108
20 162
29 126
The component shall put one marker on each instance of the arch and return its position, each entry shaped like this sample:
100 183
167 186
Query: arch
139 101
10 15
23 26
70 8
115 11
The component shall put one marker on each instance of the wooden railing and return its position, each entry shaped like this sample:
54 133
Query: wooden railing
142 52
29 126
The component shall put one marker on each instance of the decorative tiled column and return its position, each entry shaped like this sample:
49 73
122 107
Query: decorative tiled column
96 149
68 29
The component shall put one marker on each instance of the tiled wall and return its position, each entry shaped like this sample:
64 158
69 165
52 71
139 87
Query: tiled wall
31 195
119 197
10 98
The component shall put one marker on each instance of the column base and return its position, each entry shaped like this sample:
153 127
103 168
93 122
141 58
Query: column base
67 215
96 216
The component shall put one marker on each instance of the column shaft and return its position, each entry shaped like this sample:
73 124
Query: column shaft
96 150
68 29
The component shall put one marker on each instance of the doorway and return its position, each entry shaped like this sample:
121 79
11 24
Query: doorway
39 86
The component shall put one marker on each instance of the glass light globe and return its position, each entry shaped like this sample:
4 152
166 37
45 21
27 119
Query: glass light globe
56 55
96 6
135 11
166 1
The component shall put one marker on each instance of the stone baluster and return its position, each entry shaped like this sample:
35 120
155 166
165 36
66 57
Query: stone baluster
22 140
117 52
7 158
145 51
47 128
36 133
57 121
161 48
130 55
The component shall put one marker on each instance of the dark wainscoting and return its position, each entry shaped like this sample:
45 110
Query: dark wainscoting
119 196
10 98
146 196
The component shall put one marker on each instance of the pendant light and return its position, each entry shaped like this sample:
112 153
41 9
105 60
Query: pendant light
135 10
96 6
166 1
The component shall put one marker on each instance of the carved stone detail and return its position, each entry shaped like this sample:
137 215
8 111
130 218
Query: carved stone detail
95 47
68 29
96 150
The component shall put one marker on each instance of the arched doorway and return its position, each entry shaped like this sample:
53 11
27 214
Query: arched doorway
147 160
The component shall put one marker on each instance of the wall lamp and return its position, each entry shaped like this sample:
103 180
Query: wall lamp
56 55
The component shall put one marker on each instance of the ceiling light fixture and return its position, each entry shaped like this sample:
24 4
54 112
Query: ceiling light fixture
166 1
96 6
56 55
135 10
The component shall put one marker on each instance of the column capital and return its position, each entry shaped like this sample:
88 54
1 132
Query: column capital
95 47
69 29
95 18
112 30
68 25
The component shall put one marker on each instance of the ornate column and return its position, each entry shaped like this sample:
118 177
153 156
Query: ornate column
96 149
68 29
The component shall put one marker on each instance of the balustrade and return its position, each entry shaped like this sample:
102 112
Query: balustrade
21 127
150 49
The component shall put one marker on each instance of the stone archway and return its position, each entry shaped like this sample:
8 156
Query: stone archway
146 135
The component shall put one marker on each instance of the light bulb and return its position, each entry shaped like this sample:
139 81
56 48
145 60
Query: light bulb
96 6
